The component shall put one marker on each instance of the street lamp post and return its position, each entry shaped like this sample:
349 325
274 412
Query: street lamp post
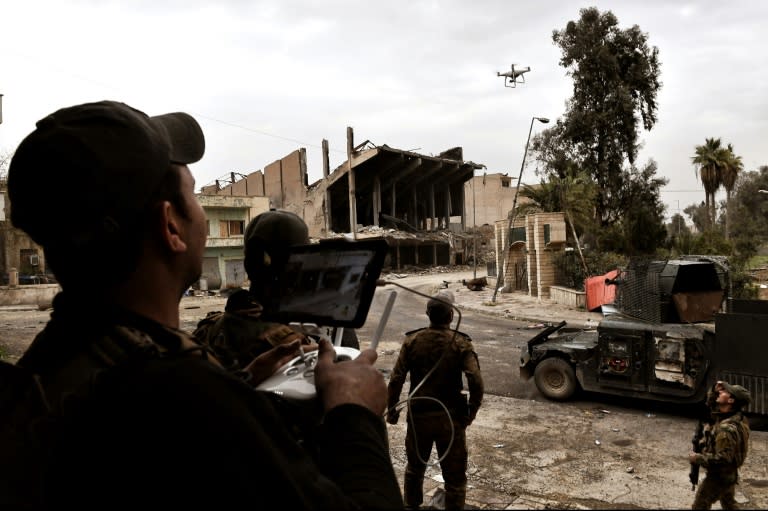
542 120
474 227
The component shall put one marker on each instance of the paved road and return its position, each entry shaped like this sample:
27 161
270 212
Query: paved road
526 452
497 339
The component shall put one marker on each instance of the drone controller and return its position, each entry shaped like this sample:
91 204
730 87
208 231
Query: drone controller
296 379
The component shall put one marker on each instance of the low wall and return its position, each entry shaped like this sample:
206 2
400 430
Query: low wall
567 296
32 294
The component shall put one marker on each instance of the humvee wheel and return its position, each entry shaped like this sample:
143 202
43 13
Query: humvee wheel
555 378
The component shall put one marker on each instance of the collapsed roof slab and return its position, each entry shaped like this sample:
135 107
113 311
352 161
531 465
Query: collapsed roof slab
406 185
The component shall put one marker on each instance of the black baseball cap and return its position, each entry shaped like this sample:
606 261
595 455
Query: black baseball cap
94 166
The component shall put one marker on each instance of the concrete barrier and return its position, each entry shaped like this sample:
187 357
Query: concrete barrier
32 294
567 296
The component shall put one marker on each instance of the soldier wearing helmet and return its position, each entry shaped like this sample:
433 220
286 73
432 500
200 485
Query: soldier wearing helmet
240 333
724 446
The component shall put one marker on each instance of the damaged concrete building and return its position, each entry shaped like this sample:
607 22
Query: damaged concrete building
414 201
22 261
526 252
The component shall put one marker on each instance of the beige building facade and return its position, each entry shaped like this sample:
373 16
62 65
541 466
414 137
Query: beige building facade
227 217
528 257
488 198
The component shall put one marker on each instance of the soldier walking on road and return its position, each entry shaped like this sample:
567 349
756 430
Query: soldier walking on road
437 357
724 447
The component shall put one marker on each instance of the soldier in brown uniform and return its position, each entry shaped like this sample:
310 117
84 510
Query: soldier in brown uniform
240 334
724 448
436 357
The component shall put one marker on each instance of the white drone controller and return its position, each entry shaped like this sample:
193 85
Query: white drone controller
296 379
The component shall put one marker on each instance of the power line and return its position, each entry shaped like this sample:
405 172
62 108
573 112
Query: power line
260 132
105 85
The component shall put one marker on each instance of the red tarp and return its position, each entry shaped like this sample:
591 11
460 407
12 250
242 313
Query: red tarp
598 292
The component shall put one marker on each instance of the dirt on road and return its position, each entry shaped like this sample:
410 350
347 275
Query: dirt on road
533 453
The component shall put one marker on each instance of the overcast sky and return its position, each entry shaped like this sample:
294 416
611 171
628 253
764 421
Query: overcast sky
264 78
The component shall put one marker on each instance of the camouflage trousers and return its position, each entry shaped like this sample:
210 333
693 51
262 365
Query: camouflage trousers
716 487
424 430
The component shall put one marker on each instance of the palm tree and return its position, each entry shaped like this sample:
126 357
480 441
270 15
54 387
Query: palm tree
730 172
709 161
574 195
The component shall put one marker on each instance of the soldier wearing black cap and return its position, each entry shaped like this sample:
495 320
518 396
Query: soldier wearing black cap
138 414
436 357
724 447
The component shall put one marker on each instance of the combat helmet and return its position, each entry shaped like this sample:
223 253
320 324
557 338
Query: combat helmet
267 240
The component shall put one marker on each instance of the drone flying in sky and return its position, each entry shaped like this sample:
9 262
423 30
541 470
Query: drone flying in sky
514 76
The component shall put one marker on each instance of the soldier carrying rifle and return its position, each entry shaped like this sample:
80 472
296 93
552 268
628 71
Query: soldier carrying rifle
722 447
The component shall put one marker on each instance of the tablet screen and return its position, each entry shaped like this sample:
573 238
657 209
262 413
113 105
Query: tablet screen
330 283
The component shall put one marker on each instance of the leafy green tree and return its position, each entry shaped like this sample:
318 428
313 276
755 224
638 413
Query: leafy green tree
698 213
679 236
751 208
615 83
640 229
573 194
732 166
677 226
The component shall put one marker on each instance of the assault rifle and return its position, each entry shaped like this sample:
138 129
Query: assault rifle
696 441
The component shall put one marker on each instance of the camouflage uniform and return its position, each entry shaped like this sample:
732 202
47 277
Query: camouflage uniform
453 354
239 334
724 449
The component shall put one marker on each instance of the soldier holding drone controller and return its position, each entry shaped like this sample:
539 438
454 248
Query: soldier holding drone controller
117 407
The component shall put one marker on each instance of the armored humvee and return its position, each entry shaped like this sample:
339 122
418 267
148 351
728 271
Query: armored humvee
642 357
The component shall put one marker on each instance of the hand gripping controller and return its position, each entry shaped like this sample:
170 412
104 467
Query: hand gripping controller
296 379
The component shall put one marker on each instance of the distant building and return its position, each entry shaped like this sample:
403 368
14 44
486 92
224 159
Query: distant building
528 256
17 250
414 201
489 198
227 216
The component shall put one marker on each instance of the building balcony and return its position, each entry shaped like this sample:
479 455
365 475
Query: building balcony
229 242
